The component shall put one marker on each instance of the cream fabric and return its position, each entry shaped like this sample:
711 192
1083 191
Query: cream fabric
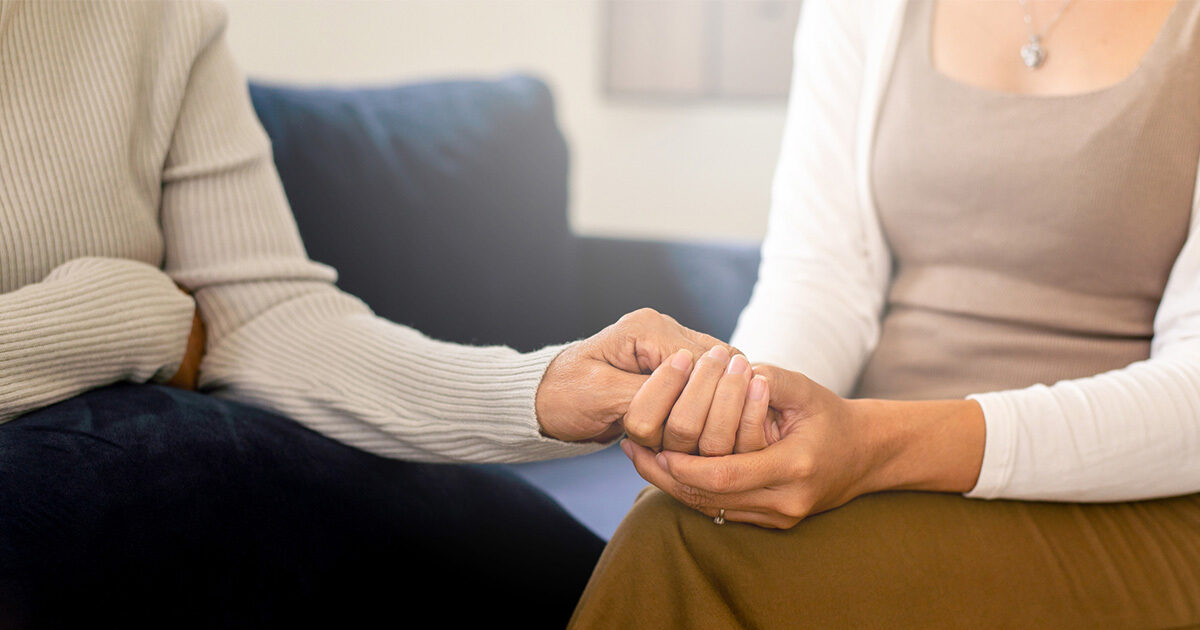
130 156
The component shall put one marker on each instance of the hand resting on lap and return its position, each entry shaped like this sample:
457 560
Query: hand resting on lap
805 451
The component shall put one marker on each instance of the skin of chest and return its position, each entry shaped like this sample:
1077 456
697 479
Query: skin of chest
1095 44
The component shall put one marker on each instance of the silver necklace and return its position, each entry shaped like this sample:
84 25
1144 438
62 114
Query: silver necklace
1033 53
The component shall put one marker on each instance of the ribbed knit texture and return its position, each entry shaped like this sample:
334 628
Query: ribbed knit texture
130 156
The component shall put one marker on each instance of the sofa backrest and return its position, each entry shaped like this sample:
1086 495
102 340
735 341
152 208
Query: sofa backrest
442 205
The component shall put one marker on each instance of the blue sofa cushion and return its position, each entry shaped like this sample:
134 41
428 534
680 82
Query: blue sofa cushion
702 285
442 205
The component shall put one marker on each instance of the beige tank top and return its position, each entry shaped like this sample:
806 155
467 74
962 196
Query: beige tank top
1031 236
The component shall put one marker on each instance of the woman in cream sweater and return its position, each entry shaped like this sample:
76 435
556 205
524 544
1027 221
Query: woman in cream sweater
131 162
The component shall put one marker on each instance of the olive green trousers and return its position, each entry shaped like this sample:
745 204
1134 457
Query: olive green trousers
904 560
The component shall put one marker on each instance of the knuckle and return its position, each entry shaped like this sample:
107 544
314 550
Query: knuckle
722 478
766 370
629 320
792 508
674 378
712 446
642 429
690 496
802 467
637 429
644 314
683 432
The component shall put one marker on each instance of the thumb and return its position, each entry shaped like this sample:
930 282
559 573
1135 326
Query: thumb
620 387
605 400
789 390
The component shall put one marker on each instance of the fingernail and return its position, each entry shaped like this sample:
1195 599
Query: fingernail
719 353
627 448
681 360
662 461
758 388
737 365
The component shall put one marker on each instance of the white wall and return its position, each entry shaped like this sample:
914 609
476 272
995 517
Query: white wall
646 169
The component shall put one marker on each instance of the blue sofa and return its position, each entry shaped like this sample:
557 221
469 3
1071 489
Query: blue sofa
444 207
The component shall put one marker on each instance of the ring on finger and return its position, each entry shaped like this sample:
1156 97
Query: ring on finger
719 519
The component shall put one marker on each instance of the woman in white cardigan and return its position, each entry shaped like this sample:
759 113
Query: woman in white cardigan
985 208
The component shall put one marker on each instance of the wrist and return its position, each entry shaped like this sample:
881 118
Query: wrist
187 373
550 397
542 405
934 445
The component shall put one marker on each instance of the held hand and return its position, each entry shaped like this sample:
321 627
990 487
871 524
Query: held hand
189 369
721 408
822 451
824 455
587 390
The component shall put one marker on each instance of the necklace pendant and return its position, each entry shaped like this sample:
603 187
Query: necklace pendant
1033 54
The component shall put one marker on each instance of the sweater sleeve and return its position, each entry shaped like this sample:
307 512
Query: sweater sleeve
90 322
817 304
283 337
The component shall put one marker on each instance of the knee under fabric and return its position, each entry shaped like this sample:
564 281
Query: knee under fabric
904 560
150 506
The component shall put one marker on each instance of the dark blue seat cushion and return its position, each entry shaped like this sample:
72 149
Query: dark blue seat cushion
442 205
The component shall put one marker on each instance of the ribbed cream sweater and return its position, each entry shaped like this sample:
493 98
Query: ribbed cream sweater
130 156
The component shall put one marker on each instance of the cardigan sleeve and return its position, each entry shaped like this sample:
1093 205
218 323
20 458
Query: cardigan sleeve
1126 434
817 304
283 337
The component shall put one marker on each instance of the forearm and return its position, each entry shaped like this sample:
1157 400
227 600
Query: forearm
934 445
1123 435
825 268
91 322
323 359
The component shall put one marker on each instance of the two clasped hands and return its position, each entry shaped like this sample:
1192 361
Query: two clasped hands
748 443
739 442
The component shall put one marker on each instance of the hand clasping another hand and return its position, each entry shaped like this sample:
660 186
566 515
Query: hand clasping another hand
797 448
718 409
586 391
